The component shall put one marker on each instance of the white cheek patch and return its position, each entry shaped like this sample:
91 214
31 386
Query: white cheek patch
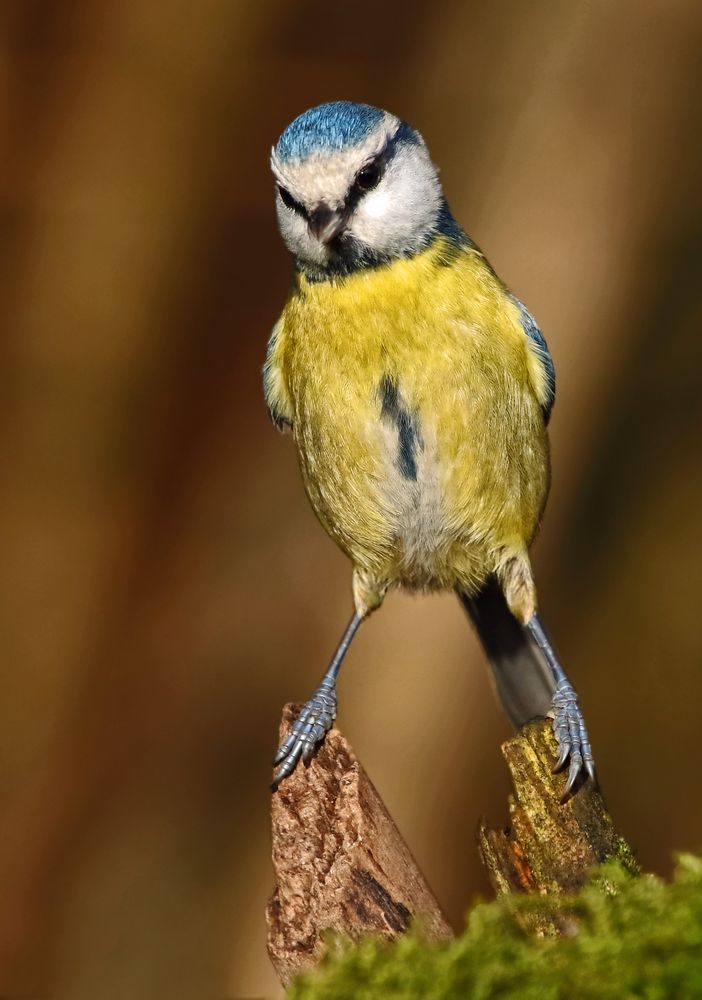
397 217
376 205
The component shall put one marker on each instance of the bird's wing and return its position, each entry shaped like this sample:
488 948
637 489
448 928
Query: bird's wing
543 370
274 386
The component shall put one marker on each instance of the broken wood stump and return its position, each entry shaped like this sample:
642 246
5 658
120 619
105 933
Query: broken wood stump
549 845
340 861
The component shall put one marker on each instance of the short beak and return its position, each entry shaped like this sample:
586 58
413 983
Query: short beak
326 223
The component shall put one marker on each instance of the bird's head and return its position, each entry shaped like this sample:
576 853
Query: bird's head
355 187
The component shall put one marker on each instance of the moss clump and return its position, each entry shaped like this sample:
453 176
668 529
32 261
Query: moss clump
625 937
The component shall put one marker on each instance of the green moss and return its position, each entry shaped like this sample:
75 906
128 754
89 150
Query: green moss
625 937
625 856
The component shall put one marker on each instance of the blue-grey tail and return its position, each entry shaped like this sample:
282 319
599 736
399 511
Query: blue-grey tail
522 678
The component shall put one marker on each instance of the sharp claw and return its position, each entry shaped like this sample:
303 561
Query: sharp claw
571 734
276 781
575 768
285 746
289 763
562 758
282 750
307 732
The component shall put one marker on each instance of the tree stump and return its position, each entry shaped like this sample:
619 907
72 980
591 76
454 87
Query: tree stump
340 861
550 845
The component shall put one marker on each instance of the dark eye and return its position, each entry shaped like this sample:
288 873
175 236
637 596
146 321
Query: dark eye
368 177
289 202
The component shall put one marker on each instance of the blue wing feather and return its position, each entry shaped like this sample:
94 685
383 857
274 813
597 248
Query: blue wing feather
532 331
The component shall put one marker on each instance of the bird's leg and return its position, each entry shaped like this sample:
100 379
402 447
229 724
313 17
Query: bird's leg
568 722
317 715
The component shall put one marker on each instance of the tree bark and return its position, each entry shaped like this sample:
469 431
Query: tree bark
340 861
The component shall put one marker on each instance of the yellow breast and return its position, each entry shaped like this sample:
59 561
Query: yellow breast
414 399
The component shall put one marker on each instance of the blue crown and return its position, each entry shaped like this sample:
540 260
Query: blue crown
327 127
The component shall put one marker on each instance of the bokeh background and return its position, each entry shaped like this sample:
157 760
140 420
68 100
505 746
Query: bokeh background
165 585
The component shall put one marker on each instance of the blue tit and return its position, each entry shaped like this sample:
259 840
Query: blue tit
417 388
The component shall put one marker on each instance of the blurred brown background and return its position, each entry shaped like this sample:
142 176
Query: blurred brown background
166 587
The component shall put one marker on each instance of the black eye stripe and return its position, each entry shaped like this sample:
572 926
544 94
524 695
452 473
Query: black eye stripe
290 202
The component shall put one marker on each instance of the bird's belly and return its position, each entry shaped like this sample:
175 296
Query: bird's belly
413 506
385 512
411 487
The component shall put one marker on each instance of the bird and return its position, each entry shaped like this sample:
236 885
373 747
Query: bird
418 389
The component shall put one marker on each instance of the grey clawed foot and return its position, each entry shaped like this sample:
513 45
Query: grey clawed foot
308 730
571 735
